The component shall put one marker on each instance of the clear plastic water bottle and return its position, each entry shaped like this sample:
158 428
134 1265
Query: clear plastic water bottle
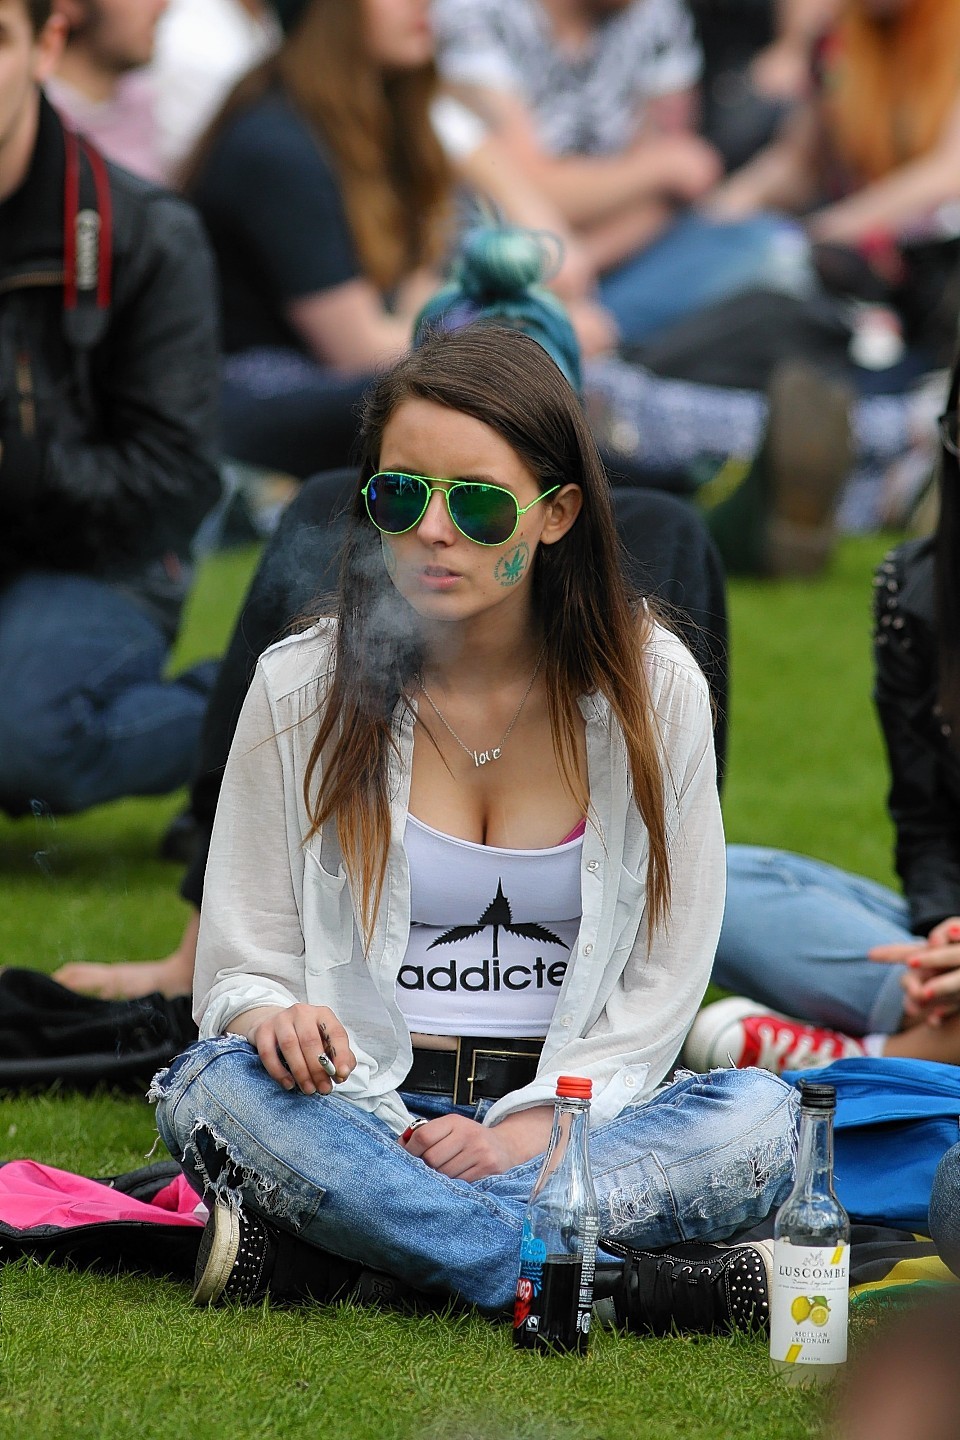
558 1249
811 1256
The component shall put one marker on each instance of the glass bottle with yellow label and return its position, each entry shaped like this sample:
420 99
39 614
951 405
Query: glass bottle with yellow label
811 1256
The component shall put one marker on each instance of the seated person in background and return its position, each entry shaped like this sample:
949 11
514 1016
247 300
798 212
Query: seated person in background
108 360
872 158
804 937
328 197
308 271
101 86
469 618
317 215
595 103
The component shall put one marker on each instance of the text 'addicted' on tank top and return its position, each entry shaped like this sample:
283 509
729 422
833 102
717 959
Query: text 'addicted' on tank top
491 931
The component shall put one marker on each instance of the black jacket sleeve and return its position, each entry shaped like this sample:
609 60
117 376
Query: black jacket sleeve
133 475
922 797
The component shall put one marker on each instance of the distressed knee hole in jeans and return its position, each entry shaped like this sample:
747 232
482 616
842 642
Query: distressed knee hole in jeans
743 1179
224 1172
631 1207
740 1189
228 1177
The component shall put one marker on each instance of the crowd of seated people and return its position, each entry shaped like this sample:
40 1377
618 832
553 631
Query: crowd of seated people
312 304
325 165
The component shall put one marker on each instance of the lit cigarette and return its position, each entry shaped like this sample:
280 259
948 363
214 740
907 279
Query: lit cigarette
328 1065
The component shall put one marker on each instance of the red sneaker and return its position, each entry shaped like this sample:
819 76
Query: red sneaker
738 1032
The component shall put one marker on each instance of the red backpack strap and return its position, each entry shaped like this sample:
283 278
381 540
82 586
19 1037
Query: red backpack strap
87 242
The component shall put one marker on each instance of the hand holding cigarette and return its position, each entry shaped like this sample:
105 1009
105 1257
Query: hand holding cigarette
302 1045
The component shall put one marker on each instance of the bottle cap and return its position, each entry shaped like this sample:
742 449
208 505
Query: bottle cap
817 1097
574 1087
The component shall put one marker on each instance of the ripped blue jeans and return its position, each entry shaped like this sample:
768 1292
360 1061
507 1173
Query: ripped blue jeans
704 1158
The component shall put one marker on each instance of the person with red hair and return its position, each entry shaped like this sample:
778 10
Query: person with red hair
872 159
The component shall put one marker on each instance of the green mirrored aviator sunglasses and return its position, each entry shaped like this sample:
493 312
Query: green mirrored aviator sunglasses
485 514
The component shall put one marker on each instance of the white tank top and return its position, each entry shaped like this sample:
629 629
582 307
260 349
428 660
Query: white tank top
491 932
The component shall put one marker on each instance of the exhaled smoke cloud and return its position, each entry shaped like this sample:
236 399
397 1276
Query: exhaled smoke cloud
300 578
389 635
385 636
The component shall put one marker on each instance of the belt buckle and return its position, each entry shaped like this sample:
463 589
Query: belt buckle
469 1049
463 1085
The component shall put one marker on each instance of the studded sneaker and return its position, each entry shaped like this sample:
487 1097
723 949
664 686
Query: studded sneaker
692 1288
243 1258
231 1266
737 1032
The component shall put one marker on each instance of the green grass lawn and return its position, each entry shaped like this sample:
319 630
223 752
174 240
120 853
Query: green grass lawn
84 1356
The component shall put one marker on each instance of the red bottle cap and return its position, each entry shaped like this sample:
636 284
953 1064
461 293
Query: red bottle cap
574 1087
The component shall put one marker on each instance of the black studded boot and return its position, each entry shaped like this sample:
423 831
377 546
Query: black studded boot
694 1288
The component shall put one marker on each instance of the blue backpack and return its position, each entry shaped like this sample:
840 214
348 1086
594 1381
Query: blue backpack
895 1120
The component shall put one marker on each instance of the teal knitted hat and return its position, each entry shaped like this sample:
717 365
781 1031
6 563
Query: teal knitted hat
497 277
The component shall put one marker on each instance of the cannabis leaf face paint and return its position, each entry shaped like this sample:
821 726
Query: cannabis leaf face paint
511 566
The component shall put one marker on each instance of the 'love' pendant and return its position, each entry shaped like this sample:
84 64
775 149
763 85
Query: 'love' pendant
483 757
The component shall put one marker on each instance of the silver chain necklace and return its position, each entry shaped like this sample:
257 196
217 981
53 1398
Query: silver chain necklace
484 757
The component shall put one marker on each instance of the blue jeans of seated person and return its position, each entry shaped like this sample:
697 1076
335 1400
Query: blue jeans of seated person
945 1209
85 714
699 261
795 937
705 1158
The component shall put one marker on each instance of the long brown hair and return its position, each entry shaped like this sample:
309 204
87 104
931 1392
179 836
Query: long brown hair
894 85
594 636
393 174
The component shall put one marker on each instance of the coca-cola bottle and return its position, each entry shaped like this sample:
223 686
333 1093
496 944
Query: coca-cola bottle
558 1248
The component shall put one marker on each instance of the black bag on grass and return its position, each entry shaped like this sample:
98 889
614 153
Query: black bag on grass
50 1035
156 1244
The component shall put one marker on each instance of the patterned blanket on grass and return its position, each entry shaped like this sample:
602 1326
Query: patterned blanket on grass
893 1264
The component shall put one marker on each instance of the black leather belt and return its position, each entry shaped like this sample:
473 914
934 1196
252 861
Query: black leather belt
479 1069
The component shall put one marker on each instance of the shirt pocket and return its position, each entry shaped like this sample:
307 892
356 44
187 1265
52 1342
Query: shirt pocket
628 912
328 925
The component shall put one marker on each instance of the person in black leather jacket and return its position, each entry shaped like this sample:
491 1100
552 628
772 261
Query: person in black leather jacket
924 796
806 938
108 362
